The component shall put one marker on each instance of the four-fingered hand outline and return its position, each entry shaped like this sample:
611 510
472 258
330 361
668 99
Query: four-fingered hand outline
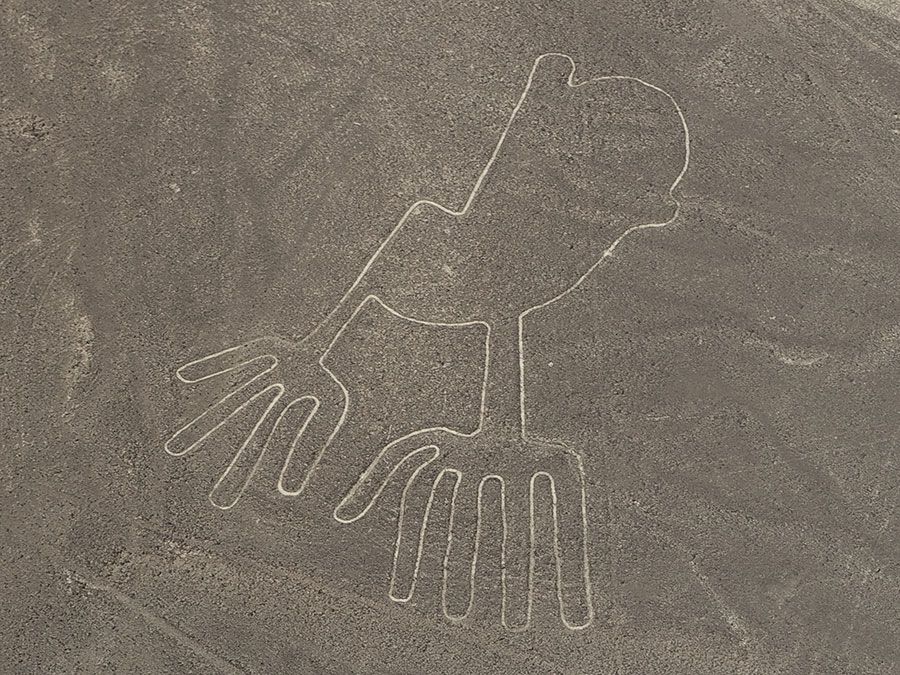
317 413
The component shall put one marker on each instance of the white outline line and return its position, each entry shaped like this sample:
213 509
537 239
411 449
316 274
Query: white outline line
220 402
422 528
345 302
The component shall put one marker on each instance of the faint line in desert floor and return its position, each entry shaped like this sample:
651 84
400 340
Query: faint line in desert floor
162 625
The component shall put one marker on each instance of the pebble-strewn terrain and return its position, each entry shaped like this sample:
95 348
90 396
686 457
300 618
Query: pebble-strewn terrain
181 177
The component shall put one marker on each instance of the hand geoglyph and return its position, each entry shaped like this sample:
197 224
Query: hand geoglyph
506 254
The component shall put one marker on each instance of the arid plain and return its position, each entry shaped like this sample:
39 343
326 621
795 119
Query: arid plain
179 179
